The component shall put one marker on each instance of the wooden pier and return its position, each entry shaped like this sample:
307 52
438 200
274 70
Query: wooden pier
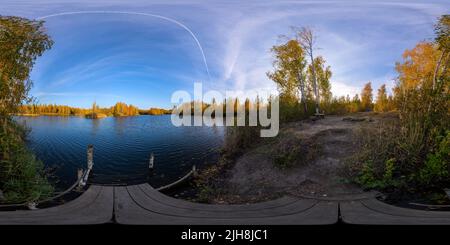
374 212
95 206
142 204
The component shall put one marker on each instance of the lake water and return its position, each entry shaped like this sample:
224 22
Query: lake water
122 147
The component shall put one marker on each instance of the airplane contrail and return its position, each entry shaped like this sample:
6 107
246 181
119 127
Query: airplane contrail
138 13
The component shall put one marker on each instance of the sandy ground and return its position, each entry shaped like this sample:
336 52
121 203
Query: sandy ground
327 142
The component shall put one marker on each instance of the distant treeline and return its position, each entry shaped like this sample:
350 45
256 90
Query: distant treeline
155 111
228 106
293 109
118 110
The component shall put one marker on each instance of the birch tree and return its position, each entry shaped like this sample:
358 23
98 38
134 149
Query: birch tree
289 71
307 40
323 76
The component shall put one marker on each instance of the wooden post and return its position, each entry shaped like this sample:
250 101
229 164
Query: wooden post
90 164
80 174
90 156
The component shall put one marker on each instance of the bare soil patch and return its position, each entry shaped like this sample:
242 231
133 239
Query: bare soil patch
308 158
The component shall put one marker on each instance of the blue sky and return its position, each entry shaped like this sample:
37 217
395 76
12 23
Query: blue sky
138 59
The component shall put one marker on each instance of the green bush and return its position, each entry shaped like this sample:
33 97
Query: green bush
22 177
370 179
28 182
388 159
367 177
436 168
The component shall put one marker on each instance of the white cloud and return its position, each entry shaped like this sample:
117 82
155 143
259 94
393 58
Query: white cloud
341 89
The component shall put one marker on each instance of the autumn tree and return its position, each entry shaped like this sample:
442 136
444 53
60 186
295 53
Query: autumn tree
21 42
382 102
419 87
158 111
366 97
354 104
247 105
296 78
122 109
289 71
421 95
307 40
323 75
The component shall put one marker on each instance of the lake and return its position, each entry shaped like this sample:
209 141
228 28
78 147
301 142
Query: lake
122 147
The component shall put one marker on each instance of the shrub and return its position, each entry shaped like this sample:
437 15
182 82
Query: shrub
29 183
376 166
22 177
238 139
370 179
391 159
436 168
420 142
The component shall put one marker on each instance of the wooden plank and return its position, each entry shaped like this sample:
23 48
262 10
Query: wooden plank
141 204
153 204
372 212
162 198
95 206
135 205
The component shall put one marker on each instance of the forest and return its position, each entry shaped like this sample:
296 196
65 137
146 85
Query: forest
118 110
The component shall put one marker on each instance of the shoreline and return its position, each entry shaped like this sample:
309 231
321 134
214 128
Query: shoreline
80 115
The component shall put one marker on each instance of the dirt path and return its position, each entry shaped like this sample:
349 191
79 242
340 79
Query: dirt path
327 143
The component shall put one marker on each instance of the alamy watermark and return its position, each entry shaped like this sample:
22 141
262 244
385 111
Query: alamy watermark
189 110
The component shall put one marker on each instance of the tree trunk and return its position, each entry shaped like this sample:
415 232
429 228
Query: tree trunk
313 71
435 75
436 70
302 93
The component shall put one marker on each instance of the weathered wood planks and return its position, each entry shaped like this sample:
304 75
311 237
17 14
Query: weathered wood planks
374 212
141 204
95 206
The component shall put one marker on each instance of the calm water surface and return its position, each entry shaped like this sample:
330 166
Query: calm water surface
122 146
